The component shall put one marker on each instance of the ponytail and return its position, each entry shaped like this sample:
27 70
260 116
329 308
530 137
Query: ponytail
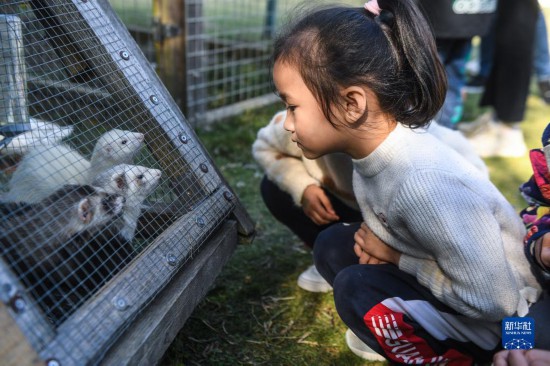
416 54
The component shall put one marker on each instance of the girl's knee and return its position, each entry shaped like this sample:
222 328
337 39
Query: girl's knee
330 242
363 283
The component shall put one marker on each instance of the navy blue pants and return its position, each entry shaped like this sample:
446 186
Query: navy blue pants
282 207
398 317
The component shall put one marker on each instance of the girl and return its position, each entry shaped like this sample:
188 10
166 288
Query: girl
307 195
364 82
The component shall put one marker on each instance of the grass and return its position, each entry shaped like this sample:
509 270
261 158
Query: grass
255 314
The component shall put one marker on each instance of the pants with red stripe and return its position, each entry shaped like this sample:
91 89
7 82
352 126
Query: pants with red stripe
394 314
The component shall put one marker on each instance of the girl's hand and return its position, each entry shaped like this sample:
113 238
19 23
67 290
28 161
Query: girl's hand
317 206
371 250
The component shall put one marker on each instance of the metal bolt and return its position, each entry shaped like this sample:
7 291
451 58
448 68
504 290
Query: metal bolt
204 168
125 55
183 138
19 304
52 361
154 99
200 221
120 304
228 195
171 259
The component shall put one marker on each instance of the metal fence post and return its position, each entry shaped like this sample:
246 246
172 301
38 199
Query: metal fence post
13 80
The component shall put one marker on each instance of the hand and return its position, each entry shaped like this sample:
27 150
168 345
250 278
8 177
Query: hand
371 250
317 206
532 357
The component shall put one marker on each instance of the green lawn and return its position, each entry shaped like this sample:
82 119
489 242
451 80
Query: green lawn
255 314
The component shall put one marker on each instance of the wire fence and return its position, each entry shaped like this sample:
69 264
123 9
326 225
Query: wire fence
227 46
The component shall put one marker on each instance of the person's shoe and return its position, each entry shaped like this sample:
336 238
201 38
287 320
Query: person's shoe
485 139
475 84
476 126
310 280
511 143
359 348
544 88
497 139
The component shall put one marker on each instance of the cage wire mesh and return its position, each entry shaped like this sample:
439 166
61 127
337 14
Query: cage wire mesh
104 190
227 50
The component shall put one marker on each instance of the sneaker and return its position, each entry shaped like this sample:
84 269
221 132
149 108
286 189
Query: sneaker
359 348
476 126
310 280
497 139
485 140
511 142
544 88
475 85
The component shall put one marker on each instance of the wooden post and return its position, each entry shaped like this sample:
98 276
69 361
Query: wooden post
13 80
169 36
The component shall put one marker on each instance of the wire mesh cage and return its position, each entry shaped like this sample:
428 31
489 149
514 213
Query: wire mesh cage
106 195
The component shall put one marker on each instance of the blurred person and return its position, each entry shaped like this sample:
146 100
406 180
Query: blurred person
541 61
454 24
498 133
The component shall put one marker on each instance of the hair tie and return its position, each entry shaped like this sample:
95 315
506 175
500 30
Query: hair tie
372 7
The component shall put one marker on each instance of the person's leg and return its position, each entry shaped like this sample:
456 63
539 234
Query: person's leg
453 54
541 58
282 207
486 53
508 85
333 249
400 319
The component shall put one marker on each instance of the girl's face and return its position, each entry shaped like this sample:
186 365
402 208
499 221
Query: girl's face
305 120
311 130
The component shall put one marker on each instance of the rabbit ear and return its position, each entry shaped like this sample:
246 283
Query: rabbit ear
85 212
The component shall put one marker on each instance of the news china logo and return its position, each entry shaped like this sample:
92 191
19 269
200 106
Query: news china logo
518 333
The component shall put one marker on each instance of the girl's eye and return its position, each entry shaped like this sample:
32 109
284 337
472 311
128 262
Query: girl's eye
291 108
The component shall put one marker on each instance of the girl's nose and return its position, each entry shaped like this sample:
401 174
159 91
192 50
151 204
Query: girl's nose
288 124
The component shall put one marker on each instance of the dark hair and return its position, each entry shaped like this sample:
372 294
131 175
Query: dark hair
393 54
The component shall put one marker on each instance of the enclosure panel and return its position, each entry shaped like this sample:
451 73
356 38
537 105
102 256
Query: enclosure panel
105 190
146 340
87 334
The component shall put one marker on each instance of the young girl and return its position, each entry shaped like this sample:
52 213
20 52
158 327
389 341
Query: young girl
364 82
309 195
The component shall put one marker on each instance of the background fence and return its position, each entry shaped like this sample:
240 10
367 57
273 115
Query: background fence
212 55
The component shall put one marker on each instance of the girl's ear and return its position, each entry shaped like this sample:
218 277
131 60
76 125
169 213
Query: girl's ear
355 103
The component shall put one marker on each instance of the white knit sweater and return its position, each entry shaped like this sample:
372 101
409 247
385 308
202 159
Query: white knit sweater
284 163
458 234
